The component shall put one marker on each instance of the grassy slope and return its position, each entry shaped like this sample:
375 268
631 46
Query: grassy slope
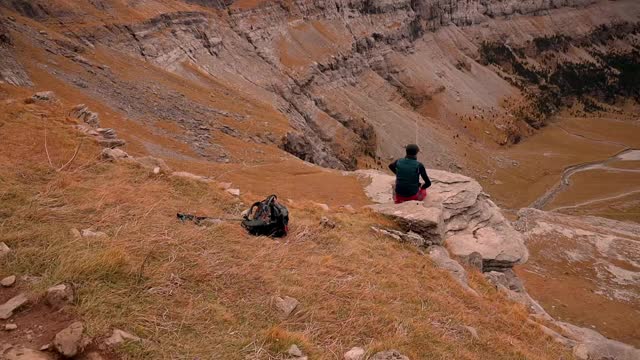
208 292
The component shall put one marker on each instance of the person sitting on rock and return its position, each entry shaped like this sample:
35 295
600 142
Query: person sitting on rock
408 171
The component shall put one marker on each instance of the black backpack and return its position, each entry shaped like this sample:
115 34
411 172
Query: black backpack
267 218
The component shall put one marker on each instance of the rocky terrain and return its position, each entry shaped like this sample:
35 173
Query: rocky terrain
116 114
458 220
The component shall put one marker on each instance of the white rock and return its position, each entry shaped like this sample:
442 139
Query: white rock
286 304
10 327
472 331
8 281
75 233
156 170
59 296
7 309
324 207
118 337
71 341
188 175
91 233
234 192
22 353
356 353
295 351
113 154
4 250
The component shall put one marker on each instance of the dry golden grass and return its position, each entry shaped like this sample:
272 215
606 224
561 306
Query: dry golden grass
208 292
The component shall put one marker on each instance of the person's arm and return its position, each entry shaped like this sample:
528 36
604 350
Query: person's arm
425 177
393 166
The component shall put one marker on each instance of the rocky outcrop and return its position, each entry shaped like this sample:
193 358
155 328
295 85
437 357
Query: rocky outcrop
11 71
457 214
591 345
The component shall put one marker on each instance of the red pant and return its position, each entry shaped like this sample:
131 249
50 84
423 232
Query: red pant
421 195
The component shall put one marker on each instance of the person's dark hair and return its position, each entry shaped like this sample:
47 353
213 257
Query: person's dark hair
412 149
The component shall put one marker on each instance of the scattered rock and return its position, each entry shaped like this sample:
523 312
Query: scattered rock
113 154
156 170
82 113
93 356
91 233
43 96
71 341
349 209
356 353
409 237
324 207
75 233
22 353
59 296
286 305
118 337
188 175
225 185
327 223
111 143
234 192
8 281
294 351
10 327
507 279
4 250
389 355
150 162
7 309
472 331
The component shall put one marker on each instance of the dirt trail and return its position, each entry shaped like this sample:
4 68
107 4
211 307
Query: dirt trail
564 183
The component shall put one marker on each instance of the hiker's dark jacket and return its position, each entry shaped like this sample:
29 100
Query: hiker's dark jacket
408 171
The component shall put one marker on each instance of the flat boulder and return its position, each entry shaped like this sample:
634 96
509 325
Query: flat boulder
13 304
22 353
500 249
